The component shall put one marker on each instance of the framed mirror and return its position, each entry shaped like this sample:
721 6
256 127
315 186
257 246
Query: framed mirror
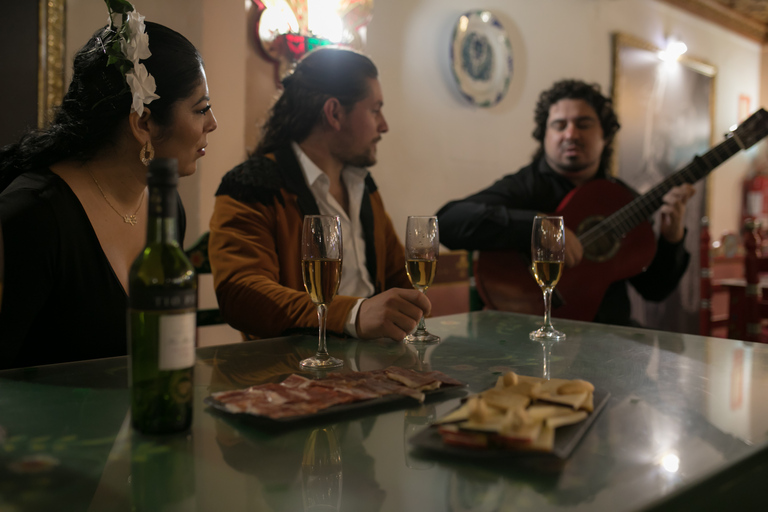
665 106
32 50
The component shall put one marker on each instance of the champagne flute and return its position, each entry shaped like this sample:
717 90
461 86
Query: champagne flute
422 245
548 255
321 253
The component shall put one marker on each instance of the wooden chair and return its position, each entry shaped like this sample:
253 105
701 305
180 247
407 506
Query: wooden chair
713 313
198 256
449 292
755 306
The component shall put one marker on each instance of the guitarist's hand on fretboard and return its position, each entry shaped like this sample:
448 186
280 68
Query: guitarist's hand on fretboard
574 251
673 212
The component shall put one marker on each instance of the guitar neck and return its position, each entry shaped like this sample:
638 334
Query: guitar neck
641 208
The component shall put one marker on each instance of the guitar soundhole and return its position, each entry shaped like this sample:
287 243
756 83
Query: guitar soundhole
602 249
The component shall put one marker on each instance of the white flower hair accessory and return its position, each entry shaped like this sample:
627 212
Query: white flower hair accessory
142 86
127 50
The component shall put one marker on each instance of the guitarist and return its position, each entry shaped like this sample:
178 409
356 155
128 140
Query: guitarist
575 127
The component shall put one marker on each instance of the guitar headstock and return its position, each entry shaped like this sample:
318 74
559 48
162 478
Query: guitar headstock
752 130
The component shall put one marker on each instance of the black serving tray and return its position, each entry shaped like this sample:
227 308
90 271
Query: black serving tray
566 439
360 407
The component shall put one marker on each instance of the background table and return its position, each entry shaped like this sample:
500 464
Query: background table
686 424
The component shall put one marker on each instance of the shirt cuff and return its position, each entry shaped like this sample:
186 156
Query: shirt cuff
349 326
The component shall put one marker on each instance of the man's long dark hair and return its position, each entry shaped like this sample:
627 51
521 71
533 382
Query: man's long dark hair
99 100
322 74
577 90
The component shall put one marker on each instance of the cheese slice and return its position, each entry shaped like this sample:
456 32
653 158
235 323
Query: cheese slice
574 401
542 412
505 400
524 433
460 414
575 386
550 387
546 440
569 419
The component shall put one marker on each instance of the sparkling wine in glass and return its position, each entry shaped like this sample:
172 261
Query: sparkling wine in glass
548 255
321 253
422 245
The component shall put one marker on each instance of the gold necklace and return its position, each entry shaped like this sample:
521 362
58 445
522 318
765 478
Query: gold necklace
127 218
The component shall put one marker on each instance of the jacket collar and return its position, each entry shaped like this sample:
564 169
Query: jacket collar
294 181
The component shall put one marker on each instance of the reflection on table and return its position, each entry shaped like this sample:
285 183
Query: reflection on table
686 421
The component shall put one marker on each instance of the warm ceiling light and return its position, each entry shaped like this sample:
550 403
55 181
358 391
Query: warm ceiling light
287 29
673 52
670 462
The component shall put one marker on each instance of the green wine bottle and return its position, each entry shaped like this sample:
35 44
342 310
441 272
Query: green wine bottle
161 315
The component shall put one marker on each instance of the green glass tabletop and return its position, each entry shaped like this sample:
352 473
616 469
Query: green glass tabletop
685 425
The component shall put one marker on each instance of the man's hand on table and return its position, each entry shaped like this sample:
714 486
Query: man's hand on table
392 314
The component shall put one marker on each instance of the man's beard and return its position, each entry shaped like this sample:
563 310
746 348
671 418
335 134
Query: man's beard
361 160
574 167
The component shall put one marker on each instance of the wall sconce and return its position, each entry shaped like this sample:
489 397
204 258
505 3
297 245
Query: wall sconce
287 29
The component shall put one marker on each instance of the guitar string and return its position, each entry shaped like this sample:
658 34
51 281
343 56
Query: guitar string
633 214
689 174
624 219
639 210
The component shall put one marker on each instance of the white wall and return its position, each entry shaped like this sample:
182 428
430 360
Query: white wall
440 147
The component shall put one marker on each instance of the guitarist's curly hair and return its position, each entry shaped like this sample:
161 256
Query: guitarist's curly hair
577 90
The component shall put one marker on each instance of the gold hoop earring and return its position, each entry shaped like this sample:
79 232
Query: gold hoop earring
147 153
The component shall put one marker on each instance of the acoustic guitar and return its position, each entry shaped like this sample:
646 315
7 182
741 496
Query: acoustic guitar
613 225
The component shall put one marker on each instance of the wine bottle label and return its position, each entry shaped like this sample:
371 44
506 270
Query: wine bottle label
177 341
162 300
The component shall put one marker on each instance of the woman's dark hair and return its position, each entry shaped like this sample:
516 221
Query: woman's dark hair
322 74
99 99
577 90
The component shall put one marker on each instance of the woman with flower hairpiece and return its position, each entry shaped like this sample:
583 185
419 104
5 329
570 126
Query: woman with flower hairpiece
73 195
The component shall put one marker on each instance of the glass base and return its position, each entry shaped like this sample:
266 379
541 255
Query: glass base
421 337
547 334
317 363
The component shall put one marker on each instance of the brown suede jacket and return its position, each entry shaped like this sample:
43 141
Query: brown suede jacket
255 248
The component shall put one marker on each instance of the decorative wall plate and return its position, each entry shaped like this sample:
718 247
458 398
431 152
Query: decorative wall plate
481 58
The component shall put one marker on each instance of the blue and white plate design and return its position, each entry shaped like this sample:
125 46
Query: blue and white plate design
481 58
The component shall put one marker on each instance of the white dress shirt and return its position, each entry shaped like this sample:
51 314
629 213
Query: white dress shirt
355 280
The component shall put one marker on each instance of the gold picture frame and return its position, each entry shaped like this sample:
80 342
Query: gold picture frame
50 76
700 66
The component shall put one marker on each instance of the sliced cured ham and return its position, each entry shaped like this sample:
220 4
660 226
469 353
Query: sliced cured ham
300 396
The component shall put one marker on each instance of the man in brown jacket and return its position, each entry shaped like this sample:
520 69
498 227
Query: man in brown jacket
321 135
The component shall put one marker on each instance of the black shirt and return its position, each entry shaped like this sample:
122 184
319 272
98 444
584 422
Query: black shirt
501 217
61 299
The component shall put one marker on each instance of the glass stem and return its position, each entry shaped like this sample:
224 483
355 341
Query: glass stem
547 348
547 308
422 327
322 314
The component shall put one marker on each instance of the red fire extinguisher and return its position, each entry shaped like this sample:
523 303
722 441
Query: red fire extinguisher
755 202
